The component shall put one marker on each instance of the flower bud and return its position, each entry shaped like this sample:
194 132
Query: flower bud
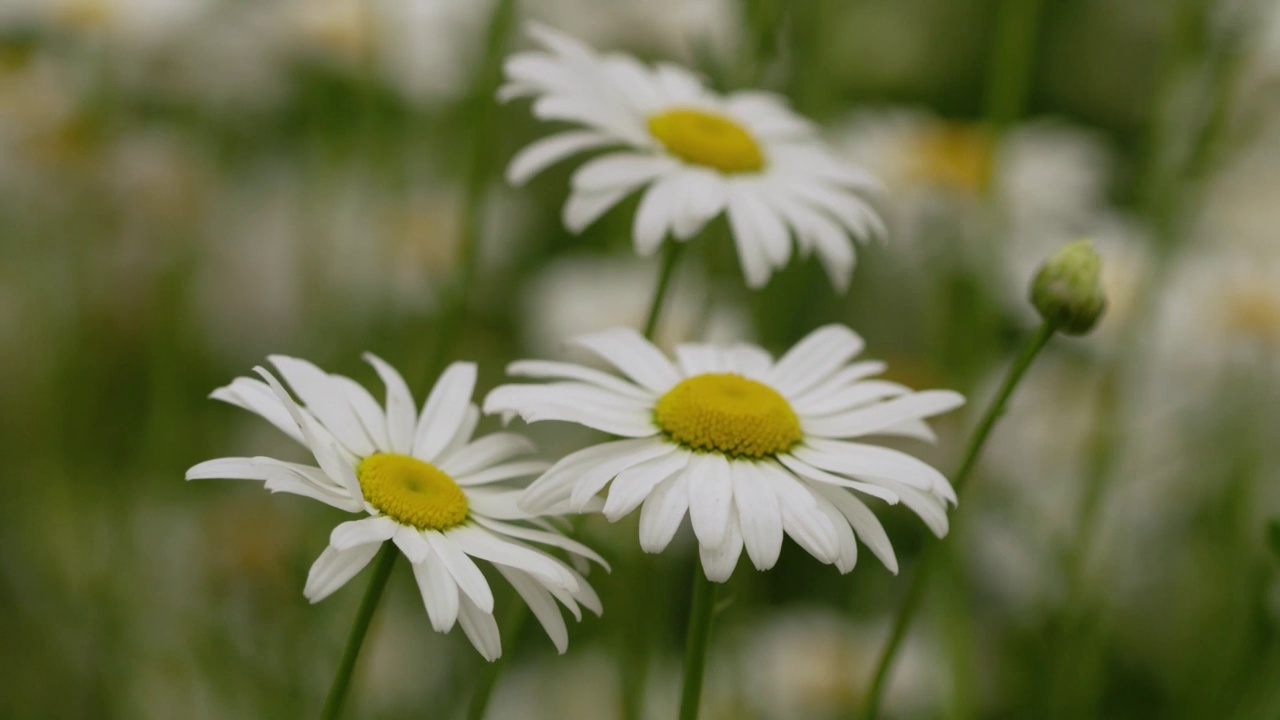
1068 289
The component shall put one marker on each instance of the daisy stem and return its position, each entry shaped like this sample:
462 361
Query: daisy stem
915 592
695 649
342 681
669 259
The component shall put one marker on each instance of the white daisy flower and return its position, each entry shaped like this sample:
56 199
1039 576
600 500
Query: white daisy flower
423 483
750 448
700 154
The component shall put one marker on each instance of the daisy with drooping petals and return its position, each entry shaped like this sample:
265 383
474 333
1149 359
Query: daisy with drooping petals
700 154
750 448
423 483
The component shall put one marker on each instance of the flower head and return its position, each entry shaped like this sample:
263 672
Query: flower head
422 482
700 154
749 447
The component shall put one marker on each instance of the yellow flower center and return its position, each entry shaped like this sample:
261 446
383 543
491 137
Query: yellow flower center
704 138
412 492
729 414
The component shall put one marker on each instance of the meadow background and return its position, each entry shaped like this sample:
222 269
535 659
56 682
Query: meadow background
187 186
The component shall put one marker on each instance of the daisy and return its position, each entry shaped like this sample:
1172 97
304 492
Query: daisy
422 483
750 448
698 153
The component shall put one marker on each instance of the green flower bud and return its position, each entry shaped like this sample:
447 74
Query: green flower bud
1068 289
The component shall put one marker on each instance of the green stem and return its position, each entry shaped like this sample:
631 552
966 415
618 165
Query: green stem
695 649
342 681
1012 62
915 592
670 257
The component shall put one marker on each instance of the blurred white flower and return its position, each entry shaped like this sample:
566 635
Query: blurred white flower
128 25
695 154
427 50
812 663
1219 315
578 295
680 29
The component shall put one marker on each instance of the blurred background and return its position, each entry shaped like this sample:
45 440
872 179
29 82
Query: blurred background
189 185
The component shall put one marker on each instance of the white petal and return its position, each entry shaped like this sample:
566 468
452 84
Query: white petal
322 397
746 237
914 429
747 360
655 214
483 544
334 568
400 422
444 410
412 544
852 397
872 419
547 369
256 397
583 208
580 403
662 512
593 479
469 578
551 150
336 464
703 195
480 627
439 592
638 358
718 562
697 359
498 473
486 452
847 558
543 537
605 460
620 169
467 428
543 606
864 522
710 497
801 518
876 462
361 532
759 515
808 472
814 359
842 379
371 415
634 484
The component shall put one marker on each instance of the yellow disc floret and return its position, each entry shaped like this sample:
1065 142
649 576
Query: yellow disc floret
704 138
729 414
412 492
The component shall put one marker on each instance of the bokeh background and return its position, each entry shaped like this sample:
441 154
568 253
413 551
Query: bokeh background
189 185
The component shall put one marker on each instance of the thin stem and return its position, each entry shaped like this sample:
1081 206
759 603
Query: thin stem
1012 62
342 681
695 649
915 592
669 259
